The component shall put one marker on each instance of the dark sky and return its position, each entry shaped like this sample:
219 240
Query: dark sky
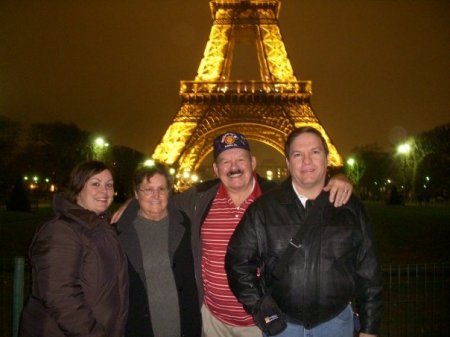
380 68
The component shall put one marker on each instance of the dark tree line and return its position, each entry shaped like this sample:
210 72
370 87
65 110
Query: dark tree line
422 174
51 150
436 162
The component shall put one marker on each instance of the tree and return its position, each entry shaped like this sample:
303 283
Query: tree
18 199
375 169
411 153
125 162
434 173
10 132
53 149
354 168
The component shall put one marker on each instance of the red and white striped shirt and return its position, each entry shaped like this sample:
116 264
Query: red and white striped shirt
219 225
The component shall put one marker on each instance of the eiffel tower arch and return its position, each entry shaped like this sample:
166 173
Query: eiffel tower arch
266 110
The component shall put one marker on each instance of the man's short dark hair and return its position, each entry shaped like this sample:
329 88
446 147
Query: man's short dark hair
301 130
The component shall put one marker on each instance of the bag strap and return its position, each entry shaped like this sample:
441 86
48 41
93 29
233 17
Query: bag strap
312 217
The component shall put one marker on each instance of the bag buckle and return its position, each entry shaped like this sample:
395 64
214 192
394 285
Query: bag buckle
295 242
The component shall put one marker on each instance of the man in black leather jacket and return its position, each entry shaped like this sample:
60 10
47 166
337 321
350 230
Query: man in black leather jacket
334 262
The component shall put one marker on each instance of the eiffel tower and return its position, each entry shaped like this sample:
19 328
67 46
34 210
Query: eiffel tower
265 110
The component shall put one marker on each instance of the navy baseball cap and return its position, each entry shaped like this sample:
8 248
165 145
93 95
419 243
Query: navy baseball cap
230 140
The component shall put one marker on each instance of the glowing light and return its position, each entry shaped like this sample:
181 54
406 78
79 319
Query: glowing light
213 81
404 148
351 161
149 163
100 142
99 148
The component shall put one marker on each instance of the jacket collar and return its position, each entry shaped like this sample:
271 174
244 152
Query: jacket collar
287 195
64 207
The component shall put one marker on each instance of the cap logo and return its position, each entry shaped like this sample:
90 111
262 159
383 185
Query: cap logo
229 139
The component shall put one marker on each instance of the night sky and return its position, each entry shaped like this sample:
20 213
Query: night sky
380 68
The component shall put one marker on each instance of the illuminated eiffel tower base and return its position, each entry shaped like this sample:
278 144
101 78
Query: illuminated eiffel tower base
265 110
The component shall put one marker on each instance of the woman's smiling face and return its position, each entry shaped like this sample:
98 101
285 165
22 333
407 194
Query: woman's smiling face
98 192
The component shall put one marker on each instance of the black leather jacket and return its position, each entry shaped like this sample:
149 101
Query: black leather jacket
336 263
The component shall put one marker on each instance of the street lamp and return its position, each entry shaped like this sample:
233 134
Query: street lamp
100 142
99 148
404 151
355 169
149 163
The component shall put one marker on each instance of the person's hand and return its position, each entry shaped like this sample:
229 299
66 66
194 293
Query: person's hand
362 334
340 189
117 214
268 316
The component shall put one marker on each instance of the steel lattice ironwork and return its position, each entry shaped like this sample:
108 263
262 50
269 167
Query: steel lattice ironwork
265 110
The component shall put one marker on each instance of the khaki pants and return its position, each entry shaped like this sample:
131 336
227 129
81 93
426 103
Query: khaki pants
212 327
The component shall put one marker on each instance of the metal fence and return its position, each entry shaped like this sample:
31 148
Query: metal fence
14 288
416 298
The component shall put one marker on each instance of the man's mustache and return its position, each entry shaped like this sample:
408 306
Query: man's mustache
233 172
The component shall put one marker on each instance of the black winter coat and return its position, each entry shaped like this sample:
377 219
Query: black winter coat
336 263
180 254
80 280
